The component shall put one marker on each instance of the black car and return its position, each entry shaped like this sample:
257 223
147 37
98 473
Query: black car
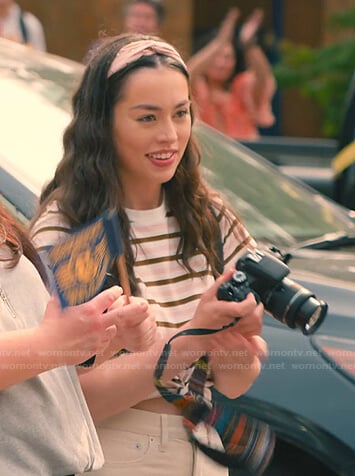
328 165
306 389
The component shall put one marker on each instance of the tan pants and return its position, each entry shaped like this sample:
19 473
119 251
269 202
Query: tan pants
140 443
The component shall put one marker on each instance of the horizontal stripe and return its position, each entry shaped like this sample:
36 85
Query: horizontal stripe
173 291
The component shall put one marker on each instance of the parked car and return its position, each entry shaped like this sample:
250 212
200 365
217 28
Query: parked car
319 162
306 390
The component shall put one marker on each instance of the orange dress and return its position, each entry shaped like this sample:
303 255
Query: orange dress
235 115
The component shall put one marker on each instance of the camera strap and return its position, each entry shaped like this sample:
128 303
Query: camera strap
248 442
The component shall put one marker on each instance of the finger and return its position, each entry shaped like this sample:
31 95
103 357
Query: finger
54 304
226 276
106 298
110 332
233 13
259 346
244 308
134 314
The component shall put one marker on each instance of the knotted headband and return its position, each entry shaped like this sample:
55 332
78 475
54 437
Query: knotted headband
135 50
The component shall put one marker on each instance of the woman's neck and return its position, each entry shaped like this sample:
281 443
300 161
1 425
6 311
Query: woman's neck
144 202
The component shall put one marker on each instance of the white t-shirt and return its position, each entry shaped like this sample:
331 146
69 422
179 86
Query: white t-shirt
10 27
45 425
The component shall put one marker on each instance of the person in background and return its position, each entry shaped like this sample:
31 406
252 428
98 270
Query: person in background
46 427
143 16
130 147
20 26
236 104
139 16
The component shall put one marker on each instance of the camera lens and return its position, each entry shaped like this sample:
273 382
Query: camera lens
296 306
311 314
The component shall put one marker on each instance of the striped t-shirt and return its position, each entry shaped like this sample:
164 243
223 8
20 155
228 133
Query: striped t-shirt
172 290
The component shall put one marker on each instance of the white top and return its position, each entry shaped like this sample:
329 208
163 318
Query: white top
46 428
10 28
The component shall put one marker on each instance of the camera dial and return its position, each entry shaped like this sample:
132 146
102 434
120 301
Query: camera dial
236 289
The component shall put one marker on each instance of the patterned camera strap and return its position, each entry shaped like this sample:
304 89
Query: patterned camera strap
248 442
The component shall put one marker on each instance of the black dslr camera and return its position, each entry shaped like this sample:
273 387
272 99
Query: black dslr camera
264 274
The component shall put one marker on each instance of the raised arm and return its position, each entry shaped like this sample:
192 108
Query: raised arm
201 59
257 62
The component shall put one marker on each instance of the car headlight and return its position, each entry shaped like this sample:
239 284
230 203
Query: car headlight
339 353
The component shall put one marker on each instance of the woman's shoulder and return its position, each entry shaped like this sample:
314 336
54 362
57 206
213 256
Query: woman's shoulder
230 223
221 209
49 227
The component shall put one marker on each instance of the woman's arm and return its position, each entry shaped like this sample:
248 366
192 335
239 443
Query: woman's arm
236 368
198 63
65 337
256 61
121 383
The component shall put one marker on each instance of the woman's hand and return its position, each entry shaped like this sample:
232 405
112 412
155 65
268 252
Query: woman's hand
73 334
136 326
235 362
247 35
214 313
235 351
226 31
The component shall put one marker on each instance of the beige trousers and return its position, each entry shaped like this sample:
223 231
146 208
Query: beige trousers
140 443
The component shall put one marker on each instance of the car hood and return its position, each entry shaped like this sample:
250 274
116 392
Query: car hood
335 265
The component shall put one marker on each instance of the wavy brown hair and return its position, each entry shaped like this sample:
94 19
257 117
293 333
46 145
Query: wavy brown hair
14 237
87 180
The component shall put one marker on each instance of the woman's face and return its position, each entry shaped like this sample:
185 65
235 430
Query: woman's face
223 64
142 18
151 129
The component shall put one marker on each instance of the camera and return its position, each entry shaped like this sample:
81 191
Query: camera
264 274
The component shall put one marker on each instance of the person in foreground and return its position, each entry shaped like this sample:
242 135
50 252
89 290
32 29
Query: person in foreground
130 147
46 428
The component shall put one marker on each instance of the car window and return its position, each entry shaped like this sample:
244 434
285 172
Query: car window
274 207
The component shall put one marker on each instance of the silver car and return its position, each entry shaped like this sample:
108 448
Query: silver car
306 390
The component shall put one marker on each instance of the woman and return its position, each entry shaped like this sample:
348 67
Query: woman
236 104
130 147
46 427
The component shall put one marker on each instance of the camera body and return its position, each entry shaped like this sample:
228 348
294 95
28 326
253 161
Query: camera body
265 275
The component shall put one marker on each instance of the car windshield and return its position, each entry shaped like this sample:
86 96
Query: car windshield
51 78
35 97
275 208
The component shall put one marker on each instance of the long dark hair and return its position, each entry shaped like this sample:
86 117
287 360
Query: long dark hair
14 237
87 180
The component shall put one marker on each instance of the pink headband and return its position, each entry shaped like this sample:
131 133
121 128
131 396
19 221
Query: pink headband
135 50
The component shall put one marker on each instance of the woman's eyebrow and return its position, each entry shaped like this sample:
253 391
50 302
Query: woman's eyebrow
152 107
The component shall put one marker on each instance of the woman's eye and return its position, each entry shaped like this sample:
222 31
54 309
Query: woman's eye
183 113
147 118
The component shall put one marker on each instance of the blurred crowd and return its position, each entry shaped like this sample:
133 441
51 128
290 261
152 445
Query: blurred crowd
232 81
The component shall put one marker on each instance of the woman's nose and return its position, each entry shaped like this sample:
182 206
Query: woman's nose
168 132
